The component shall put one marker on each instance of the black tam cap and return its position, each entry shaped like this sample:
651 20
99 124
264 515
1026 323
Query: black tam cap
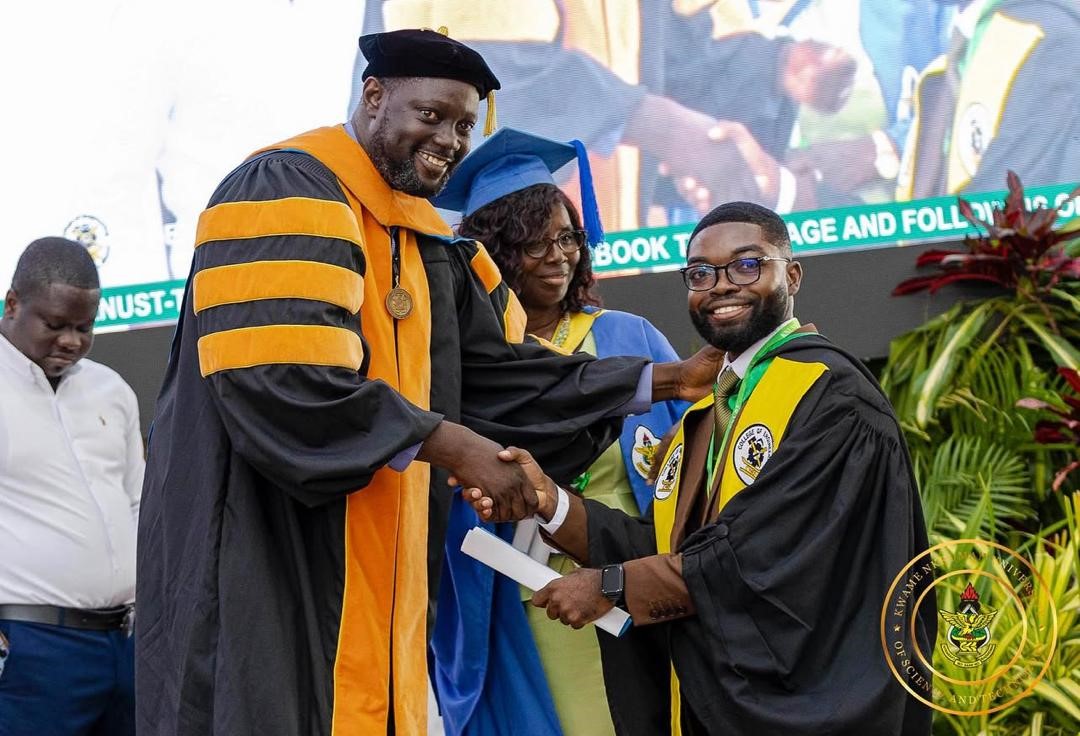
425 53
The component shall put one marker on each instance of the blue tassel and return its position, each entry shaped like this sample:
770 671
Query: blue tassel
590 211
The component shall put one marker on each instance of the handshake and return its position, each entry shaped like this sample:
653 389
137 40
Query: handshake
539 489
501 484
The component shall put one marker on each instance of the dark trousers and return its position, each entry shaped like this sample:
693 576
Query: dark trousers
59 681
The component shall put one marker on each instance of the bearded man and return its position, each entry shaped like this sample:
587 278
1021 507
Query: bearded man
784 507
335 343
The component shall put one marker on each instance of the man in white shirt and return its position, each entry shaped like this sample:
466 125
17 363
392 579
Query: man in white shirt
71 467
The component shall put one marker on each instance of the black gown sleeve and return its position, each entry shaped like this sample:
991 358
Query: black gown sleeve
615 536
287 367
712 74
565 409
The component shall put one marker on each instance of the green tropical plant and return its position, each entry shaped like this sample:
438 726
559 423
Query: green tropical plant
964 386
1053 631
956 477
962 373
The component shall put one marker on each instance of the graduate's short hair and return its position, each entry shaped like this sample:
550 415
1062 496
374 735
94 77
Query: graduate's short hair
54 261
771 225
520 218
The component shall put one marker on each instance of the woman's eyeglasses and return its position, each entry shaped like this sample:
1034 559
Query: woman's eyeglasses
569 241
740 272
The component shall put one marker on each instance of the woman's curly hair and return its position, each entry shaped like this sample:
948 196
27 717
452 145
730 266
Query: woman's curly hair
508 224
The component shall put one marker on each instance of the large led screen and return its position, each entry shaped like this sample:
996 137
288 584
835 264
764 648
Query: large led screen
859 120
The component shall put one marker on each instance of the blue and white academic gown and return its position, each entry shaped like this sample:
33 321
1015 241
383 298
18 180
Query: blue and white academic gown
487 673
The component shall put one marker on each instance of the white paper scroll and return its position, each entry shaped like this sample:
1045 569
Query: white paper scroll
484 546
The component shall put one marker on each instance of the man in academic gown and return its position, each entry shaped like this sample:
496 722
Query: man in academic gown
782 511
334 341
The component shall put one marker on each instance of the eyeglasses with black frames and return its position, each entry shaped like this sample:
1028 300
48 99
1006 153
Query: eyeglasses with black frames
740 272
568 241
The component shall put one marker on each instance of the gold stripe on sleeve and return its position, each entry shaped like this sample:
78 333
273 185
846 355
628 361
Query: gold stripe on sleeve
247 282
288 216
247 347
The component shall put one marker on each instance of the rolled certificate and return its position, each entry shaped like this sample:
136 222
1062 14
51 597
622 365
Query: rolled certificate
484 546
527 539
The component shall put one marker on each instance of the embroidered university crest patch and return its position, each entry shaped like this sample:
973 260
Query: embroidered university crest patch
669 474
752 450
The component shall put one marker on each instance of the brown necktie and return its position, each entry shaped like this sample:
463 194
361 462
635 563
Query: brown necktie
724 388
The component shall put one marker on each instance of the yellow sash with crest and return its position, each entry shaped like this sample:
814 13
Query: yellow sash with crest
757 430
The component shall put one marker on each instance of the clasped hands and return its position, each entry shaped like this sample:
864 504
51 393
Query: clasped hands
713 160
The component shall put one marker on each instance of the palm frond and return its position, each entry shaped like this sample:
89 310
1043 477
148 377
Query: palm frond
960 473
984 400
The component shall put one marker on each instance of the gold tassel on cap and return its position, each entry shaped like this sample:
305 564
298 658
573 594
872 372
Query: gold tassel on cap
491 123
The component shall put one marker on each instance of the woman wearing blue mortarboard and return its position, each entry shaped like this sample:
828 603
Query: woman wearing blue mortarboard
501 666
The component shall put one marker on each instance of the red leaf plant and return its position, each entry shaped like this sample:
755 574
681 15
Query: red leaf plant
1020 251
1066 429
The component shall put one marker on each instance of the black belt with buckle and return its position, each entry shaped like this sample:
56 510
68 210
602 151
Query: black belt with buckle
100 619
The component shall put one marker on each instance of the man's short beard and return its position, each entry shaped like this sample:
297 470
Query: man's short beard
767 315
399 174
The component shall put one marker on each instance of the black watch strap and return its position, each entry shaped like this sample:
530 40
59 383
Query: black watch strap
613 583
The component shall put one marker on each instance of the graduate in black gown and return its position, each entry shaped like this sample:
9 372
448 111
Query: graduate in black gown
784 507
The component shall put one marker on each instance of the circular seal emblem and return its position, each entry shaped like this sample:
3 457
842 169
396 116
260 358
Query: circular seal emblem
399 303
752 450
92 233
996 626
972 135
669 474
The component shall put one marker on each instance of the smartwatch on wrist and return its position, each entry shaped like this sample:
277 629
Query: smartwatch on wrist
612 583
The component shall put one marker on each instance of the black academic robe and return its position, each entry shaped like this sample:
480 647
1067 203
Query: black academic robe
272 536
786 584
